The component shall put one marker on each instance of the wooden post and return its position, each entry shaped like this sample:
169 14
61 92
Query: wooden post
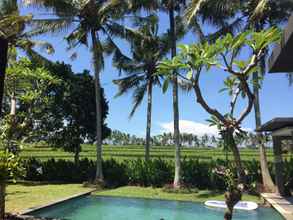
277 145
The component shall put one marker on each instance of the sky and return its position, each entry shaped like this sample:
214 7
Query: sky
275 96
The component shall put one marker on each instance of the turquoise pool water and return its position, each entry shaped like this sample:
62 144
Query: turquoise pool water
113 208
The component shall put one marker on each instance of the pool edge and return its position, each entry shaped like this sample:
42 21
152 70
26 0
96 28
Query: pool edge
31 210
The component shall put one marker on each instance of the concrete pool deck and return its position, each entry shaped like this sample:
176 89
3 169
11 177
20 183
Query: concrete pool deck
30 210
283 205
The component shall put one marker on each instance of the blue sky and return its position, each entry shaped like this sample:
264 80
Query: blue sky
275 95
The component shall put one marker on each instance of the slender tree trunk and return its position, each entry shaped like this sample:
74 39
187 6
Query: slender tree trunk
2 200
177 177
3 64
13 106
231 199
266 177
97 67
149 121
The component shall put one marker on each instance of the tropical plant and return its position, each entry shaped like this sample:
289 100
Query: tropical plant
10 169
223 54
147 48
97 21
194 58
25 87
262 13
15 34
258 14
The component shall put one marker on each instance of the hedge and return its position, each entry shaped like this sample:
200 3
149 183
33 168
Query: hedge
156 172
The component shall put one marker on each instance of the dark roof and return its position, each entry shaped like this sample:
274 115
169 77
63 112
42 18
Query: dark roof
276 123
281 59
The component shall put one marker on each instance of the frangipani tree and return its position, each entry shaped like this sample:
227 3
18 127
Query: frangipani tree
25 87
193 59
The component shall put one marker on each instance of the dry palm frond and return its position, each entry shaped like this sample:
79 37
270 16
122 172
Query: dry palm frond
193 9
259 10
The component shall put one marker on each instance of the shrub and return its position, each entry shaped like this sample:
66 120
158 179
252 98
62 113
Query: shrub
157 172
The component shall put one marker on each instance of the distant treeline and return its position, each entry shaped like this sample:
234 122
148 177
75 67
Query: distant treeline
187 140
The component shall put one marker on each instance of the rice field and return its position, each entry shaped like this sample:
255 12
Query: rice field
134 152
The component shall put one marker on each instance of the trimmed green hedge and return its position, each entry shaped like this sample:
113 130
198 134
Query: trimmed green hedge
156 172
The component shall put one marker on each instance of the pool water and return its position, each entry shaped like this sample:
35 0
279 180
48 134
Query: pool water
112 208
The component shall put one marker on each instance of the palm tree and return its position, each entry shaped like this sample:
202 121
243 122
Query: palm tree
175 32
172 6
261 13
147 49
96 21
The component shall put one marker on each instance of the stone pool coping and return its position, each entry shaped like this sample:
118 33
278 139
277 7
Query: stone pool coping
75 196
282 205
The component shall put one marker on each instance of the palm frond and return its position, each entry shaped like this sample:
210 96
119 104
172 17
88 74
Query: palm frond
13 24
231 28
259 10
138 96
192 9
127 83
54 25
196 28
60 7
76 37
114 7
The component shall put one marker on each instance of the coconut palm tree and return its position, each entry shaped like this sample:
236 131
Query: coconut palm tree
147 48
176 31
95 23
261 13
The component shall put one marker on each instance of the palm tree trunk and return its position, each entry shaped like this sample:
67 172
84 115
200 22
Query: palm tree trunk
177 177
97 67
3 64
149 121
266 177
2 200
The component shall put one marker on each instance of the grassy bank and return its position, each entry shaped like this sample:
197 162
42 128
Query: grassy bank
21 197
158 193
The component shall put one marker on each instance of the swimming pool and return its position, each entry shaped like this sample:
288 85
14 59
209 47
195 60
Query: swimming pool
110 208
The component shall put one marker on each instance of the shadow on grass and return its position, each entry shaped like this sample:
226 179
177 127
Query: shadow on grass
16 192
36 183
208 193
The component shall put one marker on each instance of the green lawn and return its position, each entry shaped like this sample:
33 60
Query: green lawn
134 152
158 193
21 197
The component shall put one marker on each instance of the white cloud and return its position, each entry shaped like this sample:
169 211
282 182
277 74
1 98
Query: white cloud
191 127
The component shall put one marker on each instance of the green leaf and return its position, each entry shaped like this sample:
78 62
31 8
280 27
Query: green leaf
189 75
166 85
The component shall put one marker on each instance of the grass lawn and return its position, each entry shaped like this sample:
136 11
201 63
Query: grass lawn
21 197
157 193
